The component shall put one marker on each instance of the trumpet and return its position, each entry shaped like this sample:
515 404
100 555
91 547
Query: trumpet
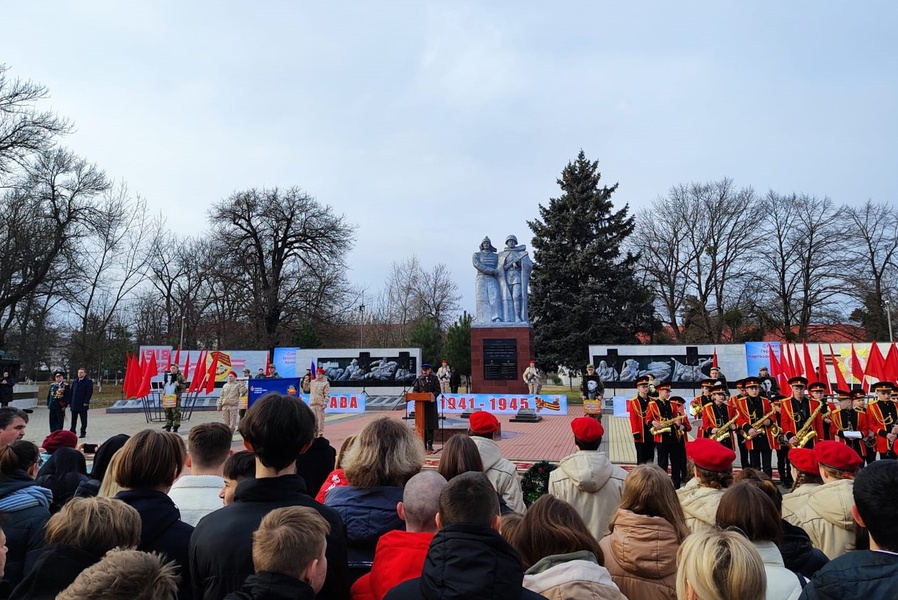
807 433
724 430
761 430
664 425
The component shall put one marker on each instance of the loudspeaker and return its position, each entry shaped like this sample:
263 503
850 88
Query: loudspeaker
612 357
692 355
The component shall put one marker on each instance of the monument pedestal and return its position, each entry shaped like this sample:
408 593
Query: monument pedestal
499 355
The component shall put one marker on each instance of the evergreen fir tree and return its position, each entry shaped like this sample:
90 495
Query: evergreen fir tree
583 289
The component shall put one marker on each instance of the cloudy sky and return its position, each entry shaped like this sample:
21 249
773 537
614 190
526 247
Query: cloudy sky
430 125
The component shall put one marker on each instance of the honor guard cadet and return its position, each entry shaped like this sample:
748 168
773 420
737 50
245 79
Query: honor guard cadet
533 378
806 475
801 421
713 469
638 407
444 374
757 426
428 382
719 419
669 427
849 426
882 418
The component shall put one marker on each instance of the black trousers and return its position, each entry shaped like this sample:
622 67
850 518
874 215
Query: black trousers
57 419
760 456
744 459
673 454
783 466
645 452
83 414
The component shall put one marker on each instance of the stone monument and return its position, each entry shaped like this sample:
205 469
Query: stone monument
501 335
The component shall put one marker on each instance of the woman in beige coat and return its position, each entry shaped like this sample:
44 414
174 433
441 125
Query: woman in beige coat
646 532
713 467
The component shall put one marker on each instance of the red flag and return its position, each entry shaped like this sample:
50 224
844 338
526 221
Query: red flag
785 363
713 360
875 367
891 364
151 369
127 379
187 367
210 378
797 367
856 371
197 372
809 371
837 367
821 366
776 369
135 375
177 358
268 362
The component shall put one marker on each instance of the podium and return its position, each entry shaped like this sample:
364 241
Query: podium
420 399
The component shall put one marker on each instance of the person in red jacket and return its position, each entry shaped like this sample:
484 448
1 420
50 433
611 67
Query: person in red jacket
638 407
400 554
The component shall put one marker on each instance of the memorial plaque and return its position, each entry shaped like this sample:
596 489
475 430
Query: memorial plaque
500 359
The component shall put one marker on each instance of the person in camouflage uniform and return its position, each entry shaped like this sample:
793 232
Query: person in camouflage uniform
57 400
173 383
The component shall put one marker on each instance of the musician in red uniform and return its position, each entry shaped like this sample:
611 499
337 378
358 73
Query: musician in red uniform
849 426
638 407
797 410
717 414
817 390
754 409
671 444
699 402
882 418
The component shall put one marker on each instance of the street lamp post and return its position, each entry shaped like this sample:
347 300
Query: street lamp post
181 340
889 317
361 325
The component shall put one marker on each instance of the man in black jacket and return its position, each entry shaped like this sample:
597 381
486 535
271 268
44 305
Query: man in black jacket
278 428
873 573
467 557
82 390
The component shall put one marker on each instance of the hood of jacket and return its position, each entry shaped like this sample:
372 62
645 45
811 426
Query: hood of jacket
589 470
471 562
572 572
700 503
19 491
274 586
833 502
642 545
56 568
399 557
489 451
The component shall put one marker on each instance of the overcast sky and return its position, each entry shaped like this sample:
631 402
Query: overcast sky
430 125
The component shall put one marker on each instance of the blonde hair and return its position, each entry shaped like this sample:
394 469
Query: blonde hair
288 540
95 525
344 448
125 575
109 487
385 453
648 491
720 565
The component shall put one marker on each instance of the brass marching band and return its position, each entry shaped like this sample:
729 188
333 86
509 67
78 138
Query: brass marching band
757 424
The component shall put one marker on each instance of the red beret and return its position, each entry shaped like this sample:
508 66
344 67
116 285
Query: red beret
234 373
483 422
60 439
837 455
803 459
710 455
319 370
587 429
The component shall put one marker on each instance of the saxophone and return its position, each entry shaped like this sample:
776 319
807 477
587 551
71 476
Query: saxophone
664 425
724 430
757 426
807 433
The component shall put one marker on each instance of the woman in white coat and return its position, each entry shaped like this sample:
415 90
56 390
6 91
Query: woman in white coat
750 510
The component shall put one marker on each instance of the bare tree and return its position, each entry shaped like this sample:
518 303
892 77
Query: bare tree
24 129
872 267
803 254
285 242
44 213
110 260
